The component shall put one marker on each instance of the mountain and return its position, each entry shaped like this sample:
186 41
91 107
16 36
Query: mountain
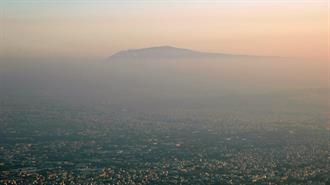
168 52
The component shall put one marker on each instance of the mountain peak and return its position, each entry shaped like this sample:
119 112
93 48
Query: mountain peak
163 47
166 52
157 52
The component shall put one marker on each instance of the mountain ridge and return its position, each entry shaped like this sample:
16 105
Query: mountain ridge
169 52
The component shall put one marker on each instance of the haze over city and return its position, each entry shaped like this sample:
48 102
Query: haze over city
164 92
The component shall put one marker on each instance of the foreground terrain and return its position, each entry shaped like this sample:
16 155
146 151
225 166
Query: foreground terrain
82 145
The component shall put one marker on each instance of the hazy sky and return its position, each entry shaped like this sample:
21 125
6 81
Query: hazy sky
83 28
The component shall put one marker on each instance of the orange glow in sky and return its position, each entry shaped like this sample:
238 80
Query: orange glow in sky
100 28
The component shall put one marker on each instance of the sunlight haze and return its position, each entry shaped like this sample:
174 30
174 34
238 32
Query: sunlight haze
97 29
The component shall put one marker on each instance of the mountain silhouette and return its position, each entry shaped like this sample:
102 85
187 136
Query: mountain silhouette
168 52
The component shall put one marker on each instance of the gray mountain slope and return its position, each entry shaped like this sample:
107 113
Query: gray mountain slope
170 52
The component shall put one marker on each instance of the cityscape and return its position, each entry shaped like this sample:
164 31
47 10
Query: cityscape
164 92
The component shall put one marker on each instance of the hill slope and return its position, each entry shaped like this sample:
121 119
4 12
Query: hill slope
168 52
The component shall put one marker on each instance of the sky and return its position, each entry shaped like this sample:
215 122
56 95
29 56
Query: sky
98 29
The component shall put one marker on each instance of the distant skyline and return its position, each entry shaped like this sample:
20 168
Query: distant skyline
98 29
